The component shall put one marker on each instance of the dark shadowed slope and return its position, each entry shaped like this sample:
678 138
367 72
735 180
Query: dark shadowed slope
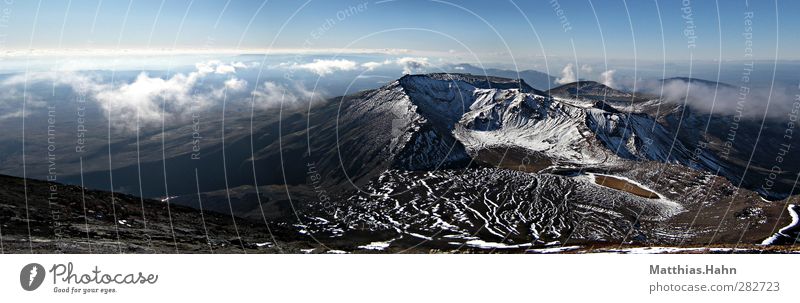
59 223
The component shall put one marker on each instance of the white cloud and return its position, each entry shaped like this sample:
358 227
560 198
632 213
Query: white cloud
144 97
153 99
725 99
413 64
148 99
11 104
218 67
225 69
326 67
272 94
567 74
235 84
586 68
607 78
239 65
410 65
81 82
322 67
231 85
372 65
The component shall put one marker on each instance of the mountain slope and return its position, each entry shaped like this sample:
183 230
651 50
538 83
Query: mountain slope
57 218
676 131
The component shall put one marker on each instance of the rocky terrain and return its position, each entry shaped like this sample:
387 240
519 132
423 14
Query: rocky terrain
453 161
56 218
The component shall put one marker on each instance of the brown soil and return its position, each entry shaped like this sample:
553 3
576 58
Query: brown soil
623 185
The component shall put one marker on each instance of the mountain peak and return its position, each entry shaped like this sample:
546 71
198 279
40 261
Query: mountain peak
478 81
534 78
587 88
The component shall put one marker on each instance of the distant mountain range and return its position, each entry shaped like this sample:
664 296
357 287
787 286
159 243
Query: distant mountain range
534 78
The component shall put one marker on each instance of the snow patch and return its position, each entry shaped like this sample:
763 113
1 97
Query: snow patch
493 245
376 245
552 250
789 232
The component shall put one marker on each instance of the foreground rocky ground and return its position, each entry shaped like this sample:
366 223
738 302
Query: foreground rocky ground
87 221
75 220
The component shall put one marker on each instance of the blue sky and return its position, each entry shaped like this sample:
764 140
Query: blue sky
333 48
486 30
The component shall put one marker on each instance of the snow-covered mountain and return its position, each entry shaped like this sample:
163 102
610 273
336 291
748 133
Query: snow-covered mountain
441 120
459 161
476 161
438 121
